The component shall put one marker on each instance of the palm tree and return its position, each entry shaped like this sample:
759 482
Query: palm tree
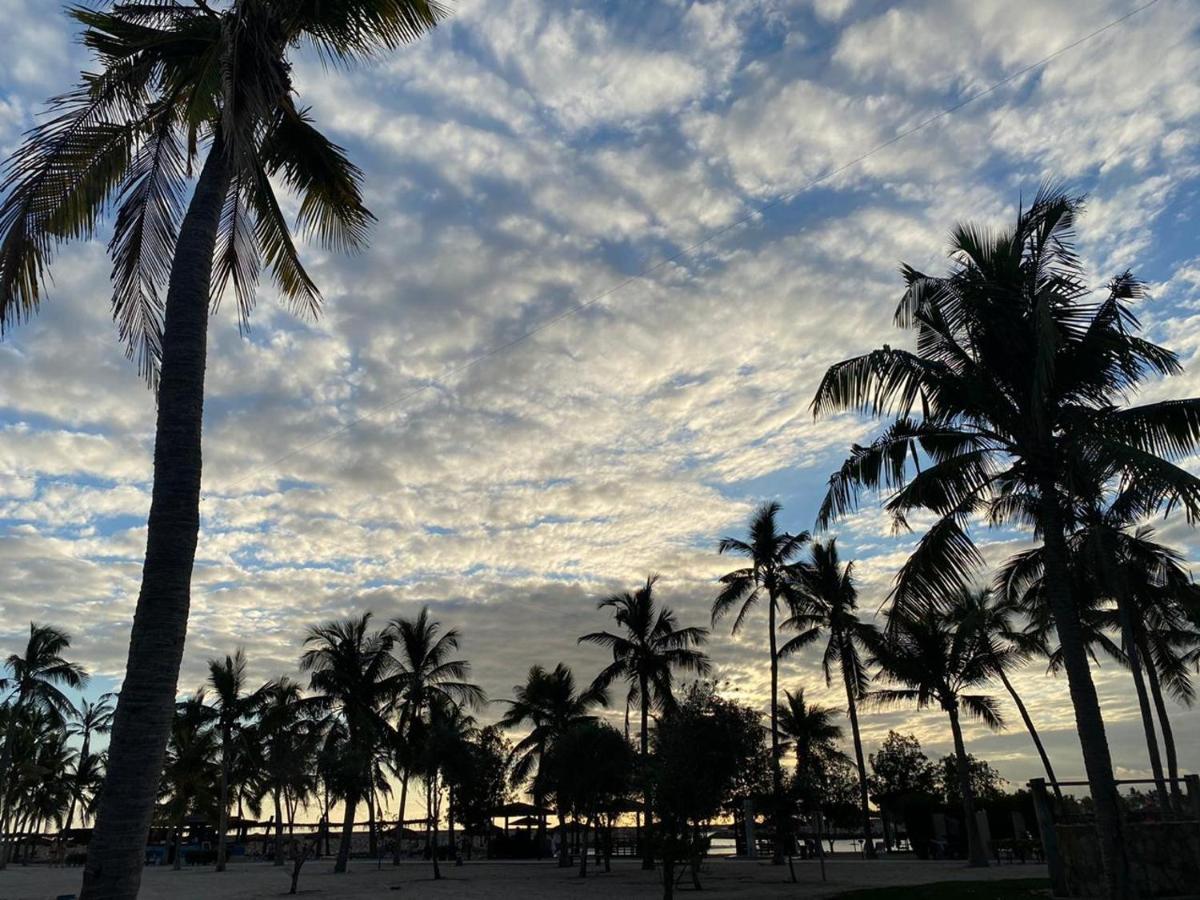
427 674
771 553
934 657
548 703
1135 587
227 678
190 767
810 728
993 615
128 137
440 740
827 600
647 654
1014 397
32 681
354 673
90 718
279 733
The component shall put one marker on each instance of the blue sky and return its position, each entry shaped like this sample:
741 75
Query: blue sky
529 156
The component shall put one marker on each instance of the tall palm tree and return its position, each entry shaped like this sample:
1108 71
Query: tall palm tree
440 740
427 674
190 767
33 680
826 600
1134 586
772 555
811 728
91 717
165 100
549 705
994 618
354 673
648 652
284 732
935 657
231 705
1014 397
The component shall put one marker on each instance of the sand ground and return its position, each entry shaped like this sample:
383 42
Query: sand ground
508 880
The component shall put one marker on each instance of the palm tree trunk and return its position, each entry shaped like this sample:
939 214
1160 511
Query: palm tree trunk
564 848
776 772
372 842
583 851
5 765
976 853
648 830
863 797
1089 722
1139 683
142 724
1037 740
400 823
433 811
278 829
178 844
223 812
343 856
1164 722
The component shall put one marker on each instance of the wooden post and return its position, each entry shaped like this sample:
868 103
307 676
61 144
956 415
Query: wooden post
1045 820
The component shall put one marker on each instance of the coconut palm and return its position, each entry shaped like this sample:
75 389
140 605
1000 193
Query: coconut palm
440 740
772 554
191 768
427 674
826 600
281 732
231 705
1011 404
91 717
549 705
33 680
647 653
936 657
811 729
178 87
995 619
1134 587
353 673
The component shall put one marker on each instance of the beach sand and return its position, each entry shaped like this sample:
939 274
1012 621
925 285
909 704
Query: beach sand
505 880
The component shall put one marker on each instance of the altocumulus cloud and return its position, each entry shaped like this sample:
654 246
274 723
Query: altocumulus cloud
527 157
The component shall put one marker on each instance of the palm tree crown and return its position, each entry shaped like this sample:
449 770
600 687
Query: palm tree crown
36 676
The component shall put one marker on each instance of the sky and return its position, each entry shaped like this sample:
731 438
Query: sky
769 165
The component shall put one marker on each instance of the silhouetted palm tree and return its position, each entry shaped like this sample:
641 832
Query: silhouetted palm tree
810 728
772 555
190 769
91 717
937 657
231 705
32 682
1013 397
826 600
164 98
440 740
647 654
427 673
993 616
548 703
287 738
354 674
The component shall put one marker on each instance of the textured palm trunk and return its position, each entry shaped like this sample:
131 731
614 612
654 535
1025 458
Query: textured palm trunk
278 829
223 813
776 772
400 823
564 846
343 856
863 797
372 841
1033 733
434 812
178 846
1089 722
648 831
1133 654
147 699
1164 722
976 852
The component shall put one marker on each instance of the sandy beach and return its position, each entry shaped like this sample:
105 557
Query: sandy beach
504 880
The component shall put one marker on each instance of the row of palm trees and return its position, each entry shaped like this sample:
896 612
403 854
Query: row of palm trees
396 701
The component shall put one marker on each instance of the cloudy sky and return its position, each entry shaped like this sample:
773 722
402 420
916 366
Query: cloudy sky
533 156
